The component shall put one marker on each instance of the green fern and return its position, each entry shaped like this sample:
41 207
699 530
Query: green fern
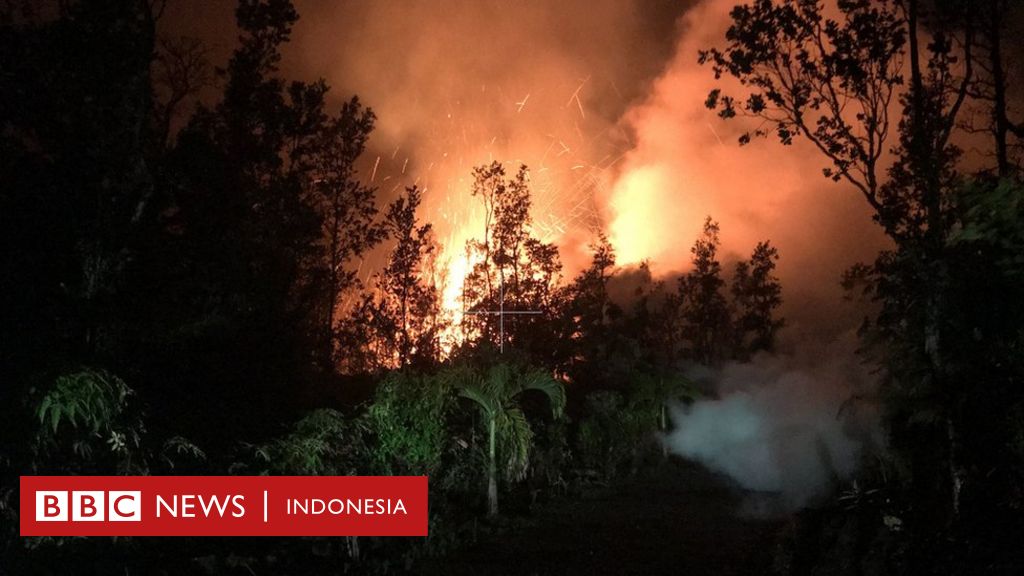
88 399
88 412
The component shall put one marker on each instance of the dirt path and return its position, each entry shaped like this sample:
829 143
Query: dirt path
679 520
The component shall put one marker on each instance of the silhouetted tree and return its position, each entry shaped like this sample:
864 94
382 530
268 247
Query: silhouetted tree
181 69
991 23
348 211
828 80
262 220
76 194
756 294
705 311
651 329
587 317
832 78
406 310
511 268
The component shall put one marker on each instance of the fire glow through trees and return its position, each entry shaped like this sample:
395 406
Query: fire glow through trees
509 264
566 184
603 101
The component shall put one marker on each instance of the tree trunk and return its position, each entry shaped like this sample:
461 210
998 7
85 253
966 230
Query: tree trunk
924 157
956 472
1001 122
352 546
333 292
663 424
492 480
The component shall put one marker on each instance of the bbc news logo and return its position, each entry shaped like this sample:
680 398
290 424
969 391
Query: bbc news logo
88 506
223 506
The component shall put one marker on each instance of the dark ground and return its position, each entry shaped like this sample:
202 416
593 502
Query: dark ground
679 519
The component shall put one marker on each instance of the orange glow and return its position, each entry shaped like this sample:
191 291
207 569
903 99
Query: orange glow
461 218
457 265
635 201
608 116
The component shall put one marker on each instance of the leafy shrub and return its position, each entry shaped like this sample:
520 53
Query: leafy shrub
322 443
408 420
552 455
89 412
612 434
652 394
177 449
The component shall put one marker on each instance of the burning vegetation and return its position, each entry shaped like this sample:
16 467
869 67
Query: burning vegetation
535 272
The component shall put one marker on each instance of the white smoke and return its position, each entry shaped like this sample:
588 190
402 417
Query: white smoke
794 425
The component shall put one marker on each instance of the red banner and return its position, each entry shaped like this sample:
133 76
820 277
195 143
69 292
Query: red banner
223 505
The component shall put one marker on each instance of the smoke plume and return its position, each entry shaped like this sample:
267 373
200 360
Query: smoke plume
687 164
792 424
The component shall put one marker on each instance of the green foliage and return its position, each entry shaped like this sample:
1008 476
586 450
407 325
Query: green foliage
322 443
994 219
86 399
617 430
551 459
87 410
496 392
612 433
178 448
653 393
408 420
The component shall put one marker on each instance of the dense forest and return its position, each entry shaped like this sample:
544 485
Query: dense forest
179 292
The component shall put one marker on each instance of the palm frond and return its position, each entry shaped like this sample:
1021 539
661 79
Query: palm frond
543 382
516 435
479 394
499 382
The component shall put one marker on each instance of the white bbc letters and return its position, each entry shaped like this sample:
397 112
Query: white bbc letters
89 506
